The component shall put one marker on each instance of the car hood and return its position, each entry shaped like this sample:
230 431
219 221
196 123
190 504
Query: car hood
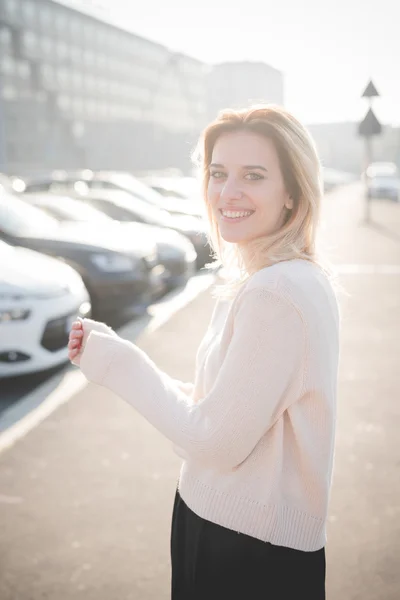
26 272
109 237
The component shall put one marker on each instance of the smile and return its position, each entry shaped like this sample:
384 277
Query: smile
236 215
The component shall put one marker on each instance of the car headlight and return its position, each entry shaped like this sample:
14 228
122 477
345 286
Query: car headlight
14 314
113 263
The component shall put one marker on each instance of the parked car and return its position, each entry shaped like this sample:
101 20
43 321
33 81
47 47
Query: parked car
79 182
39 298
175 252
183 188
118 272
383 181
124 207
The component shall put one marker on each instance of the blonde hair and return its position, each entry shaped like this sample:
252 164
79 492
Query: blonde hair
301 171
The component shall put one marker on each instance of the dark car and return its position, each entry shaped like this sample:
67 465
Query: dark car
124 207
175 252
79 181
117 272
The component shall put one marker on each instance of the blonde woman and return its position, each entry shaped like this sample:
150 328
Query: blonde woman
256 430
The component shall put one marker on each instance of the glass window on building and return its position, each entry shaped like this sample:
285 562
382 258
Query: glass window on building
47 47
11 9
7 65
9 92
102 86
90 84
76 54
76 28
77 79
89 58
63 102
28 9
63 76
5 40
30 42
45 16
24 69
77 105
61 21
102 62
62 50
48 76
90 108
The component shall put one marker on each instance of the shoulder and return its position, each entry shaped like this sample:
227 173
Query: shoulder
298 283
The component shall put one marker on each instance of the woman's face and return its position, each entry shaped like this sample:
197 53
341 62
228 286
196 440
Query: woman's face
246 189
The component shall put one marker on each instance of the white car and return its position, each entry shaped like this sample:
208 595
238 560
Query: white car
39 298
383 181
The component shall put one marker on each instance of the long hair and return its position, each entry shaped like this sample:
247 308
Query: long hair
301 171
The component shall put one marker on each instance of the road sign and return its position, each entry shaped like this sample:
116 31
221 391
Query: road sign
370 125
370 91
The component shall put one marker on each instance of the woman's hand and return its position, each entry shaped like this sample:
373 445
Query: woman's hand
79 334
75 341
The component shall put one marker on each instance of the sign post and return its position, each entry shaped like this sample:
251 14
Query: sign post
369 127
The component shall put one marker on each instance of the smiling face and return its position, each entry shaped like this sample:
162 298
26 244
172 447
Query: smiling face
246 191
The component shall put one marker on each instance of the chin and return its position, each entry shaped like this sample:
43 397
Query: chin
234 238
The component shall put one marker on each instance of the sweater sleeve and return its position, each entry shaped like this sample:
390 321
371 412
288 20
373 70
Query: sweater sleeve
257 381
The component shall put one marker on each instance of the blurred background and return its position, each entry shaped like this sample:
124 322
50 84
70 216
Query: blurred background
101 215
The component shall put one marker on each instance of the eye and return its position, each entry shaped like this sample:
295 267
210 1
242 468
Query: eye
253 176
217 174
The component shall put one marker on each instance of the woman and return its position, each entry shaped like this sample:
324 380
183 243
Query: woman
256 430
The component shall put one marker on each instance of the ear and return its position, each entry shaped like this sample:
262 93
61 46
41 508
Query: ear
289 203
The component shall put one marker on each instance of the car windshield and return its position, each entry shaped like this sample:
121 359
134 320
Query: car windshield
66 209
121 203
129 183
19 218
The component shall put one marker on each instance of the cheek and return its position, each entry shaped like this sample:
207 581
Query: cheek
269 198
212 194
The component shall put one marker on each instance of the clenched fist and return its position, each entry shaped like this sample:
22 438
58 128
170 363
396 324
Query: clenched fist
79 334
75 340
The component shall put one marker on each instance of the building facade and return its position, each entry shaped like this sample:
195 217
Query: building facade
239 84
77 91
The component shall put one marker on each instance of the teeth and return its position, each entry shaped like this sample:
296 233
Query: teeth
235 214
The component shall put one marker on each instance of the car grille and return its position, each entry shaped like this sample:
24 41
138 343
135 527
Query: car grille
55 335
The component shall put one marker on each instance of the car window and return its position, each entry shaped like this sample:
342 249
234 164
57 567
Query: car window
111 210
41 186
129 183
19 218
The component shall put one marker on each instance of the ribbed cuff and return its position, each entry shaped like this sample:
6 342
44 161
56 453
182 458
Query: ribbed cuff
98 355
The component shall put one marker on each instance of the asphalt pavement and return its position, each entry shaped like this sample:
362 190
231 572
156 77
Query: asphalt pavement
86 496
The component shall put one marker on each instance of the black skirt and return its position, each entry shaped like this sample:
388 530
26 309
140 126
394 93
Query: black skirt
210 562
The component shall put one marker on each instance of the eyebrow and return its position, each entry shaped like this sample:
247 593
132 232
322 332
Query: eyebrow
247 167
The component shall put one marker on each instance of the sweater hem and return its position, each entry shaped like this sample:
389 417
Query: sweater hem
279 525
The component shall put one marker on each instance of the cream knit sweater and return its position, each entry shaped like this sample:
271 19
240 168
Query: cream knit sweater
256 431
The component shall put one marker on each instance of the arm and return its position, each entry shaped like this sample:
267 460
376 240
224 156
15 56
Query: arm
259 378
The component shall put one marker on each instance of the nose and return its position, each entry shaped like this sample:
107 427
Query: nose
231 191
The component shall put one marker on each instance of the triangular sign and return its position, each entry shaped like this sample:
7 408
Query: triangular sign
370 125
370 91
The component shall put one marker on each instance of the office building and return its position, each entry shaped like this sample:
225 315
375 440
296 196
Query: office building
78 91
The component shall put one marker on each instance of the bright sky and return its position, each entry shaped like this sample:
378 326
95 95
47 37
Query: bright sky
327 49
